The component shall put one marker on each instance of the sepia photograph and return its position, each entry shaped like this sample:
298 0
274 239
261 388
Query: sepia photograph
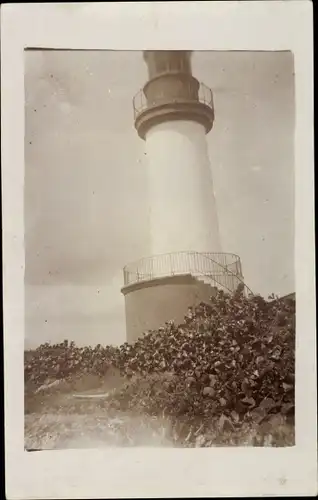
159 219
158 249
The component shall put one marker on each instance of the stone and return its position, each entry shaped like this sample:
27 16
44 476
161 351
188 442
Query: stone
208 391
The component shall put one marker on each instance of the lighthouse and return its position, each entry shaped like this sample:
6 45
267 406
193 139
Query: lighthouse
173 113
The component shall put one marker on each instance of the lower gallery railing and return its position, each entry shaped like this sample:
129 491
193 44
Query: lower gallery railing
222 269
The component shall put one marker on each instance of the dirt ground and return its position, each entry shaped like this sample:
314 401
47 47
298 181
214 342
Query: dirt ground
74 414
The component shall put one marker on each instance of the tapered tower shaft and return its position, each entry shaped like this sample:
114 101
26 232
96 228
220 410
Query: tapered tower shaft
173 118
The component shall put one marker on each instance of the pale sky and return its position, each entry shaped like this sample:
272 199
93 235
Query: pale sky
86 201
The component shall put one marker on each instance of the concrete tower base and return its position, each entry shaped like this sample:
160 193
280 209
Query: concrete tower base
149 304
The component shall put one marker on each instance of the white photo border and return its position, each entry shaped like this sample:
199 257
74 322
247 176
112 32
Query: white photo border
151 472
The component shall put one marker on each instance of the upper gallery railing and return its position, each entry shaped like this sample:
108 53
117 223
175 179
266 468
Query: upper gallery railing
141 103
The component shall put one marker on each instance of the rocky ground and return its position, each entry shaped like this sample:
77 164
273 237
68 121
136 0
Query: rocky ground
224 377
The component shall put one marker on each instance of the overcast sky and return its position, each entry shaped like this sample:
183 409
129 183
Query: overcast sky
86 201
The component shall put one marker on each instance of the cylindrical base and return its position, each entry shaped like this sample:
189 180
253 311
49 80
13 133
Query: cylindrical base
183 214
150 304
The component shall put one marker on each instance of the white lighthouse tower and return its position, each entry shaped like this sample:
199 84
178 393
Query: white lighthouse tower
174 124
173 114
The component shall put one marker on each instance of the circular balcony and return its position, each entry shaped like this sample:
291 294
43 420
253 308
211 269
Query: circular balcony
185 105
222 270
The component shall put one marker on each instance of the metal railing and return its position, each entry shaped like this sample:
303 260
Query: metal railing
222 269
141 103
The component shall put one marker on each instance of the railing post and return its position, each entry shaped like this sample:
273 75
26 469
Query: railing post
171 265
